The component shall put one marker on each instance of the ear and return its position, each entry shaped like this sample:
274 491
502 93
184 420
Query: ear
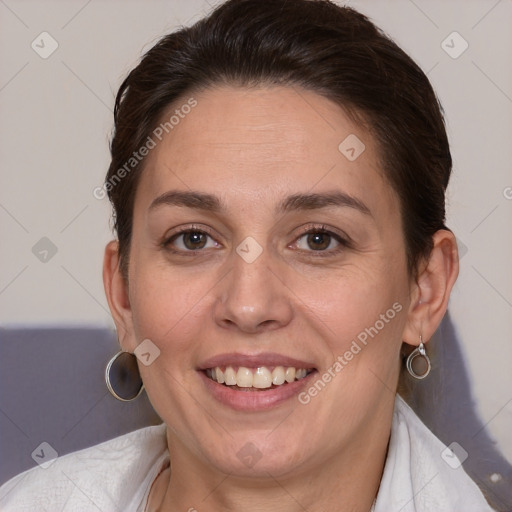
431 291
116 290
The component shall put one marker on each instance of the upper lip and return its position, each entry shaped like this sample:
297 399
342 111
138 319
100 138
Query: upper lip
254 361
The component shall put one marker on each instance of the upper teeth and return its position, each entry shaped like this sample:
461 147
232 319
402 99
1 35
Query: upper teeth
261 377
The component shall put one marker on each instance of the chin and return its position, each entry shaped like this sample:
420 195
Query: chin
258 456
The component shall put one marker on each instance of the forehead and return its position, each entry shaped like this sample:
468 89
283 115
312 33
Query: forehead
262 144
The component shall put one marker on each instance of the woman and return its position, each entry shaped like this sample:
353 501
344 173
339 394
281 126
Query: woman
278 176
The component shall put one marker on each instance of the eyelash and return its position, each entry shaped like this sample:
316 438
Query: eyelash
343 241
166 244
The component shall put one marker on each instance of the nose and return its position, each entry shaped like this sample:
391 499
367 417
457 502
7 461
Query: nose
252 298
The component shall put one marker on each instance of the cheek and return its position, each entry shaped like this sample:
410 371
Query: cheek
360 314
169 309
371 321
355 294
361 323
166 304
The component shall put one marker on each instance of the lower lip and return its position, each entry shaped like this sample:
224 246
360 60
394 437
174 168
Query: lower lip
254 400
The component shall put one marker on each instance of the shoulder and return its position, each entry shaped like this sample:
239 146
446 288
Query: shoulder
421 474
110 476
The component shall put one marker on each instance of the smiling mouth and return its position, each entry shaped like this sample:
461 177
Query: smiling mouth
262 378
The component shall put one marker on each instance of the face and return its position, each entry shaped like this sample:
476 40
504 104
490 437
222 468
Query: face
258 243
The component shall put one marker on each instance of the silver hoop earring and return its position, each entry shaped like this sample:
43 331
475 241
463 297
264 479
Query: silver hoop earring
123 378
419 352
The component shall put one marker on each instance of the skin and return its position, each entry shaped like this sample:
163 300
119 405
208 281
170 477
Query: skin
252 148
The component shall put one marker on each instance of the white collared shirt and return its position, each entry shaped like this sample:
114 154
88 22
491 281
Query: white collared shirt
419 475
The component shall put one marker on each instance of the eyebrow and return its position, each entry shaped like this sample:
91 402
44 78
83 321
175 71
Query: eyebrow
296 202
317 201
196 200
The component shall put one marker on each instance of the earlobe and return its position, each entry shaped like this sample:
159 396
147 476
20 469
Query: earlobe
116 290
432 289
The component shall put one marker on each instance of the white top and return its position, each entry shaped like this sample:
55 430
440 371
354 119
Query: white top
117 475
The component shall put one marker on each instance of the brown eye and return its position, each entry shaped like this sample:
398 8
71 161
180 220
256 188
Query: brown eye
321 242
191 240
194 240
318 241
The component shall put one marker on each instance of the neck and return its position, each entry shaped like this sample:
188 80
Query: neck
351 476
